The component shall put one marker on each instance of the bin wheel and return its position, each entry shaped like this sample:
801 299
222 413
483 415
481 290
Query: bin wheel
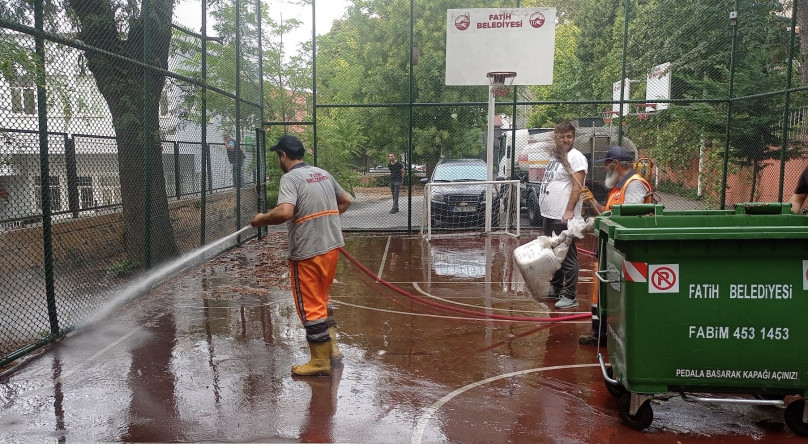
793 417
616 390
640 421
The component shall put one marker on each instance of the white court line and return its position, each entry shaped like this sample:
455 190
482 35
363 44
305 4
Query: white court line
426 315
509 310
101 352
384 258
420 426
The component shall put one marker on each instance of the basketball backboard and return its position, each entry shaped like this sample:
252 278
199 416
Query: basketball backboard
482 40
658 85
626 92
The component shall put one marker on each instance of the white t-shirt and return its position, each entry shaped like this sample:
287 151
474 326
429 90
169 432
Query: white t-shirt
556 186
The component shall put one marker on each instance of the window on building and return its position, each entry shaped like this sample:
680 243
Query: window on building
86 197
23 97
55 192
110 188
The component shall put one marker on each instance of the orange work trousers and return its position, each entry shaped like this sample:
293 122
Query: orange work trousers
311 286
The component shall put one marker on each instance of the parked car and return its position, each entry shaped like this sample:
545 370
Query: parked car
461 205
379 169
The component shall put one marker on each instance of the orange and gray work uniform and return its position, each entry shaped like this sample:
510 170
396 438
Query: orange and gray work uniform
315 233
631 189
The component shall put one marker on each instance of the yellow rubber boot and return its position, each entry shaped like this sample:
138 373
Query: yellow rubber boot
320 362
336 355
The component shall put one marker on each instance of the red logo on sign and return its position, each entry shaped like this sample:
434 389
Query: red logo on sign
663 278
537 20
462 22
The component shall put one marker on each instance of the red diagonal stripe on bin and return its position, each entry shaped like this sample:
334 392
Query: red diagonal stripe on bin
635 271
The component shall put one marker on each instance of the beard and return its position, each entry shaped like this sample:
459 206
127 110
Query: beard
559 152
611 179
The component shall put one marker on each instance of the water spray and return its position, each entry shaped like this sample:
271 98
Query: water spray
159 274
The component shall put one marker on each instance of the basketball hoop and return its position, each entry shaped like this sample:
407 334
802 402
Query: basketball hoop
608 116
644 110
501 82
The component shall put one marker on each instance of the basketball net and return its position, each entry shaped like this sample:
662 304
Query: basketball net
501 82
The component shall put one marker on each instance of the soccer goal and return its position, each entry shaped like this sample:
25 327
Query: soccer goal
457 208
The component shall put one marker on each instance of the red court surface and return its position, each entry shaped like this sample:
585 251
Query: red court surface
206 357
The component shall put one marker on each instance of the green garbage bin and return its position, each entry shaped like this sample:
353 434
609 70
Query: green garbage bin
704 301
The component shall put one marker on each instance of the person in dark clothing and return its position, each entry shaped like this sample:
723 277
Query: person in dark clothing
235 156
396 180
800 192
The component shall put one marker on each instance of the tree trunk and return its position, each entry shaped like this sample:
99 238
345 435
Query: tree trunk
122 85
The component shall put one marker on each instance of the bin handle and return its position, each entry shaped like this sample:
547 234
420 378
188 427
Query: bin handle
603 279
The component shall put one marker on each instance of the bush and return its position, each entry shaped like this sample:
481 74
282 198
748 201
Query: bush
123 267
677 189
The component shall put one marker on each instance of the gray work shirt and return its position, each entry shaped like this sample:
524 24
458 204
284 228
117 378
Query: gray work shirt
315 227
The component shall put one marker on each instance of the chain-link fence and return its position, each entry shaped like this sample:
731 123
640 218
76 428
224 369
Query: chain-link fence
114 164
713 100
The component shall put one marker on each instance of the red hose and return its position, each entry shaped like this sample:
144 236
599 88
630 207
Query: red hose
456 309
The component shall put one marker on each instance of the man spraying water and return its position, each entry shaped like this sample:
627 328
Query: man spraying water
310 202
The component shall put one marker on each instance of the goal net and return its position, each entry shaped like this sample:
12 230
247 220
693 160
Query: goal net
457 208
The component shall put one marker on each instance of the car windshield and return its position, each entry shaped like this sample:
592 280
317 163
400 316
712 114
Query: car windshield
456 173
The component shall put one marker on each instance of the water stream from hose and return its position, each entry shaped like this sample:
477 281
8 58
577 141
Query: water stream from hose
157 275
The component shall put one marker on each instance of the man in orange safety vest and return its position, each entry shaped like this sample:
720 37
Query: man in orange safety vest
626 186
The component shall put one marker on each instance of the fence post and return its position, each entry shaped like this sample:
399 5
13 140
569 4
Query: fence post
44 168
177 188
734 23
786 110
72 175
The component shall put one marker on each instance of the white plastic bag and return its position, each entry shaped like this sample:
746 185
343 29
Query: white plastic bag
539 259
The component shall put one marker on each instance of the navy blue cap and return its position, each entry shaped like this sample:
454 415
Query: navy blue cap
617 153
289 144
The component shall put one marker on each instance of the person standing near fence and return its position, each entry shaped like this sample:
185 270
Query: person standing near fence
310 201
559 202
800 195
626 186
235 156
396 179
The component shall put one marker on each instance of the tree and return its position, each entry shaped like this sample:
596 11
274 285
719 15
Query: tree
365 59
132 95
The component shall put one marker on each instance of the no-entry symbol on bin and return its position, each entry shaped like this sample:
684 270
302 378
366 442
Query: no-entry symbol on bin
663 278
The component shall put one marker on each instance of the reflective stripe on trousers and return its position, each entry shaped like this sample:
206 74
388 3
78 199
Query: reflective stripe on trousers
311 283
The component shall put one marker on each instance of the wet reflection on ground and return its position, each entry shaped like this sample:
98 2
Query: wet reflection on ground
207 357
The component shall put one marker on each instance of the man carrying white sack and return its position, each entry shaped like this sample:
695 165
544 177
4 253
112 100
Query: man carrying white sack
559 202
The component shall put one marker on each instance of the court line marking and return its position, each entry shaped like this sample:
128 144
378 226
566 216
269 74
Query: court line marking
384 258
420 426
509 310
426 315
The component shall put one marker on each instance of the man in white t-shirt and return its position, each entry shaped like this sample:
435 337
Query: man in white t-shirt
559 202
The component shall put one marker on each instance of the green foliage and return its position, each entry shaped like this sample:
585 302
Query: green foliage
677 189
123 267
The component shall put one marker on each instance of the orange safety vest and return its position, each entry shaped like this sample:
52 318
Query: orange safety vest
617 196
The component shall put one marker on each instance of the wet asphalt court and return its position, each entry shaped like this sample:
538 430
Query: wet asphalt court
206 357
